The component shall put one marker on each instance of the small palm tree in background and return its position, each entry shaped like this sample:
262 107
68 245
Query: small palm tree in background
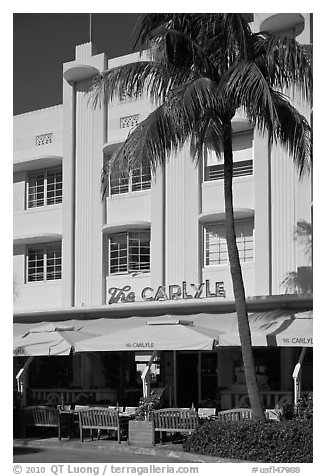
301 281
203 68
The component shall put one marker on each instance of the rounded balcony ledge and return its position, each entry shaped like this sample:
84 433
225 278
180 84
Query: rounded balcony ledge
37 162
219 215
241 123
80 72
110 229
36 238
283 21
110 147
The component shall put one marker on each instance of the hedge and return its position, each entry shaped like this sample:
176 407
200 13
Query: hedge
277 442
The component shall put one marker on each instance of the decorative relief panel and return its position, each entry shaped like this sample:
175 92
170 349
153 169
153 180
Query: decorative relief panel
44 139
129 121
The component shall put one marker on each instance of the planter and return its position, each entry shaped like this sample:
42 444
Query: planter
141 433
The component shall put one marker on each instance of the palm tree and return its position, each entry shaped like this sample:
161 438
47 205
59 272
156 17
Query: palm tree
202 69
301 281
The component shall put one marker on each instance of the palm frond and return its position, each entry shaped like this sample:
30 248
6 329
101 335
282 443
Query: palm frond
303 233
156 79
299 282
149 144
206 135
154 26
183 51
237 33
288 63
246 86
202 68
304 230
294 133
177 39
166 130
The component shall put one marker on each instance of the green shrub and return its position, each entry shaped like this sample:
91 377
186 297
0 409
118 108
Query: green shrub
304 408
146 407
277 442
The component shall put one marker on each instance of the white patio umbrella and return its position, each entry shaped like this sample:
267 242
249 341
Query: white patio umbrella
49 339
156 334
275 329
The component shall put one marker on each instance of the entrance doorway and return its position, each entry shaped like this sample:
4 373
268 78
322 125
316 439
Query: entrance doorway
187 379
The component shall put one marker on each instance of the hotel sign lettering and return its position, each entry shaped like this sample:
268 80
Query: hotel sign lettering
168 293
302 341
139 345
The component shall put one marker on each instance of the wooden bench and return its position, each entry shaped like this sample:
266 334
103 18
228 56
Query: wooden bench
95 418
41 416
236 414
175 420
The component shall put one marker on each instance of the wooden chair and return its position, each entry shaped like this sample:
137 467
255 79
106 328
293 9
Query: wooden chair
175 420
236 414
41 416
98 419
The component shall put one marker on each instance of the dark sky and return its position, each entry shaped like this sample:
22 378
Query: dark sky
43 41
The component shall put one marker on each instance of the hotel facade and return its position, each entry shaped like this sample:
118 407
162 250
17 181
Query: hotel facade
153 245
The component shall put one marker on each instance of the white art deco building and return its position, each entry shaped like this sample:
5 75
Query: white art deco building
152 246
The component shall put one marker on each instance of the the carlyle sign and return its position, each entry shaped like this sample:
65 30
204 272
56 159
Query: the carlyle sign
166 293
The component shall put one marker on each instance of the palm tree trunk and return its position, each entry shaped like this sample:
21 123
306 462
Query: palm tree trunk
237 281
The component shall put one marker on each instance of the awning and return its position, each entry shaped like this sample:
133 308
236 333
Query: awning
60 337
163 333
275 329
206 330
48 339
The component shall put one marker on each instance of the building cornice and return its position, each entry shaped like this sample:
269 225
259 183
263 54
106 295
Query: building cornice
192 306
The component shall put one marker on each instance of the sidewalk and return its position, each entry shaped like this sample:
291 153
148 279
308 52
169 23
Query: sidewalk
168 450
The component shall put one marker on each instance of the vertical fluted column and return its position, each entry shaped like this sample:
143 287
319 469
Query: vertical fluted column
262 237
181 219
84 241
68 202
158 229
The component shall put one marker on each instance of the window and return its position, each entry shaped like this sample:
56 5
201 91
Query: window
129 252
44 262
138 179
242 159
215 242
44 188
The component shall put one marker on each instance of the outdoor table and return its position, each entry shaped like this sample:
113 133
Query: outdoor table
204 418
67 421
124 418
126 414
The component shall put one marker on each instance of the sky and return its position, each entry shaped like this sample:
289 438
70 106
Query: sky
42 42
